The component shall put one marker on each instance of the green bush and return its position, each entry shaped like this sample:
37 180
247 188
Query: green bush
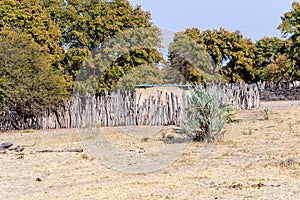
266 113
28 82
207 114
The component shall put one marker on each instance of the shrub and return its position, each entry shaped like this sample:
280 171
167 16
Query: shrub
207 114
266 113
28 82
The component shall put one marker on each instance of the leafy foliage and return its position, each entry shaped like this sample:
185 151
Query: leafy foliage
207 114
61 37
290 28
278 71
231 53
190 59
85 25
28 83
29 17
149 73
272 62
266 113
125 63
68 31
268 49
119 55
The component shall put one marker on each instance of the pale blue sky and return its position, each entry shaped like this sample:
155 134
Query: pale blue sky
254 18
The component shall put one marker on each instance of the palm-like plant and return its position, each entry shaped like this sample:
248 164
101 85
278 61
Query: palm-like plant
207 114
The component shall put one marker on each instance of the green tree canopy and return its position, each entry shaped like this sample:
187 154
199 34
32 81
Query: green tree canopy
231 53
190 58
28 83
29 17
268 49
290 28
148 73
118 55
87 24
278 70
272 59
70 30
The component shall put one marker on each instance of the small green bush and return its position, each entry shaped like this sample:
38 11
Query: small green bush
207 114
266 113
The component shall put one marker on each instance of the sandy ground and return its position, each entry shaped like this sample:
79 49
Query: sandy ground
256 159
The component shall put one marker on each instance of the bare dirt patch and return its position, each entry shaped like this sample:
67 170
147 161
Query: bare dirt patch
256 159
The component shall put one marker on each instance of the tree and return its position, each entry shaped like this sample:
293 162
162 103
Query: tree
116 56
85 25
124 65
231 54
28 82
143 74
69 31
190 58
290 28
268 49
29 17
272 53
277 71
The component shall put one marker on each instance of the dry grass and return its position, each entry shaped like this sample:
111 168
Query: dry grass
256 159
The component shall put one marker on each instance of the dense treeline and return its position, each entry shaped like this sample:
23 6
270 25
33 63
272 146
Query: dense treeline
239 59
45 44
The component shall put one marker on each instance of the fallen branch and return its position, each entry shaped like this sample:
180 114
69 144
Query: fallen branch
65 150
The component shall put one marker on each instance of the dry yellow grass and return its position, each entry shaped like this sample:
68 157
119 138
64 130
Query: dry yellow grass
256 159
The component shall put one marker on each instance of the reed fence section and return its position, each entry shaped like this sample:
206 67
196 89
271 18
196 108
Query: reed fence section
279 91
125 109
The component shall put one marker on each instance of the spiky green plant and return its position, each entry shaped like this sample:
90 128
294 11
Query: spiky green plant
266 113
207 114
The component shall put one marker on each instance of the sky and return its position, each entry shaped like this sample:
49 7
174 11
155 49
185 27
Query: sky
255 18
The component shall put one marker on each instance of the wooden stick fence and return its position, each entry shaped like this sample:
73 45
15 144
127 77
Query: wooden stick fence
279 91
125 109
